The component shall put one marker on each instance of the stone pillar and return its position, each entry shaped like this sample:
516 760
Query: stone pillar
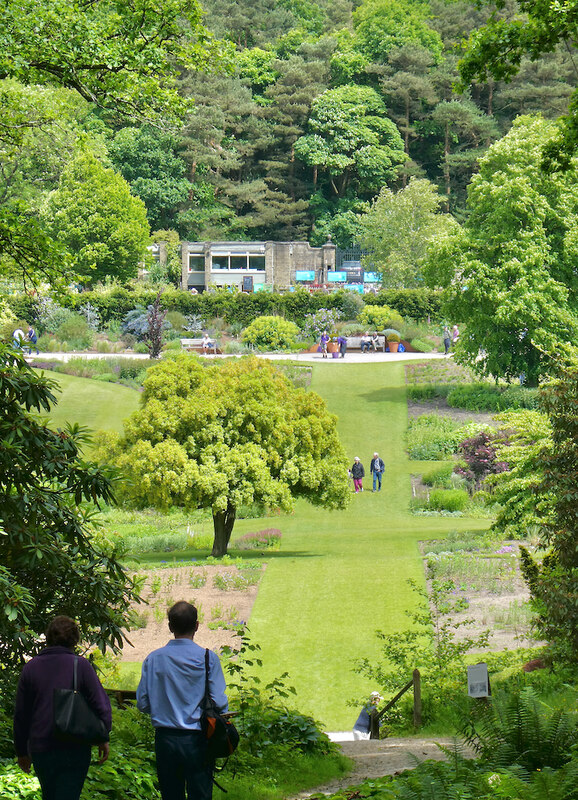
208 264
329 253
184 265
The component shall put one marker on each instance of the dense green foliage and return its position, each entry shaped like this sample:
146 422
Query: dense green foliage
117 57
509 271
554 585
255 156
51 560
498 49
93 214
271 333
398 229
115 303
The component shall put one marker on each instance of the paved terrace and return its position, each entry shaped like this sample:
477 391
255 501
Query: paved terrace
354 357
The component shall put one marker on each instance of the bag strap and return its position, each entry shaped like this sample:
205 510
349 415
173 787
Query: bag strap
74 674
207 692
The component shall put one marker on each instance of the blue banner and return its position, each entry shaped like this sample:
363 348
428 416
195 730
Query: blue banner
336 277
305 275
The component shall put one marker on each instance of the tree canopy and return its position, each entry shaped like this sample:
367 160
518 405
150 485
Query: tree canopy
118 56
531 28
94 215
226 435
509 271
398 229
234 153
52 561
352 140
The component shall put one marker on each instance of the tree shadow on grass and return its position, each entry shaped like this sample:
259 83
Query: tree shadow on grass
387 394
192 558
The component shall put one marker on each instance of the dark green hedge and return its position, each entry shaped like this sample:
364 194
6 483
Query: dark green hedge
241 308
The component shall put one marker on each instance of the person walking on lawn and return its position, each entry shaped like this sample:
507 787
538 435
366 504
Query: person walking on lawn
172 690
358 474
377 468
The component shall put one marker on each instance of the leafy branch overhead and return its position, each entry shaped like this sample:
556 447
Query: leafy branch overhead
52 561
117 55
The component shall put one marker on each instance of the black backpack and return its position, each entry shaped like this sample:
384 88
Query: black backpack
221 735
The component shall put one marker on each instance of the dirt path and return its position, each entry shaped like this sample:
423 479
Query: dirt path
374 759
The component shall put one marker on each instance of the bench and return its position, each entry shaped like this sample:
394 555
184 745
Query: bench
197 345
354 343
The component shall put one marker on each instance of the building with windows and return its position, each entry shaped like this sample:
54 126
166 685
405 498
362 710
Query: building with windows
254 266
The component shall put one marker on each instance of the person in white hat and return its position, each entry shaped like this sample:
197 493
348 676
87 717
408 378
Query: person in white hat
362 727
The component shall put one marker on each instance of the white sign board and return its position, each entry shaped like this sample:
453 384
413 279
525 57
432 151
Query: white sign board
478 680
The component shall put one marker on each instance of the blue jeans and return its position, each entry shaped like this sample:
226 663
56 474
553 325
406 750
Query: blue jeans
377 480
62 772
182 761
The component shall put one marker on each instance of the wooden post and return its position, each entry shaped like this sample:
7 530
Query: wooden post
416 699
374 724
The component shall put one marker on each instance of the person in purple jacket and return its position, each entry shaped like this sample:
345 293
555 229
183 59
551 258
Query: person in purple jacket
61 767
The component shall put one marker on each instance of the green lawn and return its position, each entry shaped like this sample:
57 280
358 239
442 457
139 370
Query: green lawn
339 576
343 575
97 405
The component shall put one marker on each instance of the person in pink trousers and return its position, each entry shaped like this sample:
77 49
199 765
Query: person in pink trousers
358 474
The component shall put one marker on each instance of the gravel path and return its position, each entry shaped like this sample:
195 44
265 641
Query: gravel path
376 758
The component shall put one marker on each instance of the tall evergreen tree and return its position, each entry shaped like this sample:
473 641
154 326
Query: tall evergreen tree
409 92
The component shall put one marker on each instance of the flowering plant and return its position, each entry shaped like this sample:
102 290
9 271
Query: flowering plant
323 320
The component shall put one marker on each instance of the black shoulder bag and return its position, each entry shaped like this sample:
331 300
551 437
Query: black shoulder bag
74 719
221 735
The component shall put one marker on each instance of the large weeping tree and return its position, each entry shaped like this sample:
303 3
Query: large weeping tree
51 561
227 435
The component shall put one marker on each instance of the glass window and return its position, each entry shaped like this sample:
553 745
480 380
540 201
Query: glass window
196 263
220 262
239 262
257 262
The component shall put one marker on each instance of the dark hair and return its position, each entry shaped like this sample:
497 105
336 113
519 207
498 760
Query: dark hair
62 631
182 618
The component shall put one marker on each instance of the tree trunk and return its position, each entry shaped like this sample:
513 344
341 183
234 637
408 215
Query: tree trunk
447 165
406 141
223 522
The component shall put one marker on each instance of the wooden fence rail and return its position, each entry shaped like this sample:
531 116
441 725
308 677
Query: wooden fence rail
377 714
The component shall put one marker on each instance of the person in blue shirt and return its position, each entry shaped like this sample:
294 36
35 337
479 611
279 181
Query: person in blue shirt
171 690
377 468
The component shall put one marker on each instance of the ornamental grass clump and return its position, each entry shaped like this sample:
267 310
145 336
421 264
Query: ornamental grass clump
448 500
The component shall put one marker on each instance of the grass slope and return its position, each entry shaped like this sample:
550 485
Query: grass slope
96 405
343 575
339 576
